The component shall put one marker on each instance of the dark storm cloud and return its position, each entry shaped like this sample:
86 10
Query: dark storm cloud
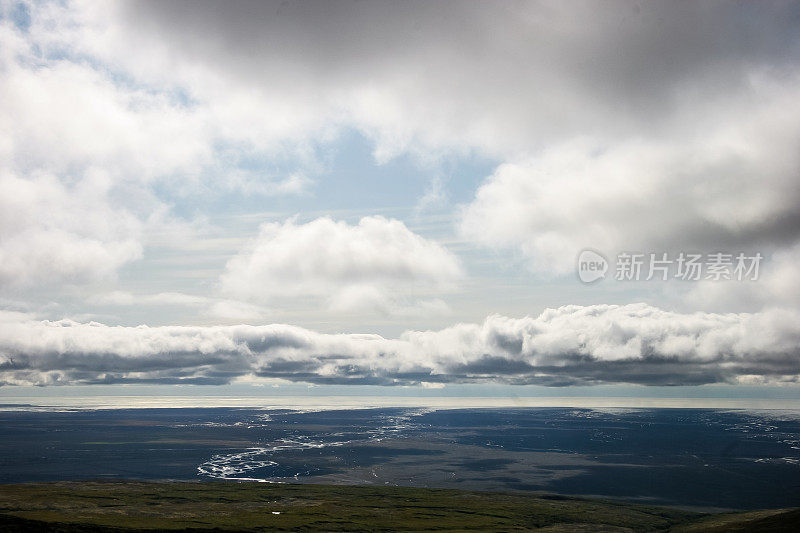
624 50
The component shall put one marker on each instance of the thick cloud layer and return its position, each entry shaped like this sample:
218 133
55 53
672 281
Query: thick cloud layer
623 125
571 345
499 76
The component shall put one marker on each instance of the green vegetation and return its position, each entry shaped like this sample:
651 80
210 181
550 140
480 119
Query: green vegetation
121 506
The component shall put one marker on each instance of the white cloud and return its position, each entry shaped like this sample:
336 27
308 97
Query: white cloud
380 301
51 233
569 345
778 284
732 184
113 298
221 310
374 265
296 183
124 298
237 312
83 140
66 116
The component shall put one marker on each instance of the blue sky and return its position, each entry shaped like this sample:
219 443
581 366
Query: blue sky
391 195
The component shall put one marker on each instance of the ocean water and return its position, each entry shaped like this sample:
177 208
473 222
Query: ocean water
705 458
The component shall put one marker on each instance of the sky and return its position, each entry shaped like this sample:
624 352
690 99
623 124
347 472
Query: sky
436 197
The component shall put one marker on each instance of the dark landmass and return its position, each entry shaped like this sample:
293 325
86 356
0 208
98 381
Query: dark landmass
91 506
697 459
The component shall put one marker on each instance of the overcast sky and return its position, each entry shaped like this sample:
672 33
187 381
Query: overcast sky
396 193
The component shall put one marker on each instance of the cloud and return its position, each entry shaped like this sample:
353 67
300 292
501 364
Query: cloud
731 185
70 138
217 308
52 233
621 125
571 345
374 265
69 116
778 284
83 142
77 103
503 78
233 311
124 298
295 184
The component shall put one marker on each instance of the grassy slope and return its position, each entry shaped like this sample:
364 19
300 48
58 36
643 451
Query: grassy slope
95 506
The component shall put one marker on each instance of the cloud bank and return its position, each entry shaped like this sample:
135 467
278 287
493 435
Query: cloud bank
503 78
571 345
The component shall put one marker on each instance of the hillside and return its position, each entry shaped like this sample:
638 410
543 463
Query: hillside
128 506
